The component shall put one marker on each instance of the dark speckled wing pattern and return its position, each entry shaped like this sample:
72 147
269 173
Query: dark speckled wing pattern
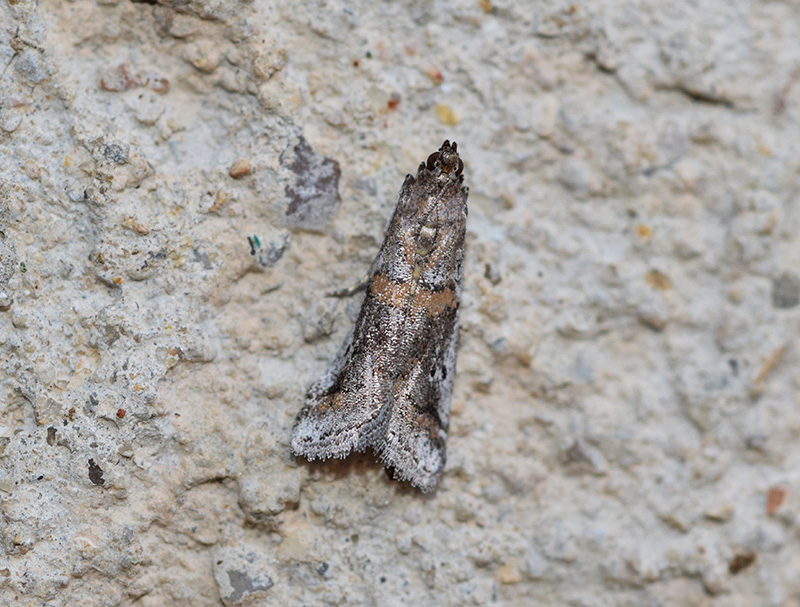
390 386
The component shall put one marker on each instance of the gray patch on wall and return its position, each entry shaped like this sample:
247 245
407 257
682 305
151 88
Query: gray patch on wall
313 190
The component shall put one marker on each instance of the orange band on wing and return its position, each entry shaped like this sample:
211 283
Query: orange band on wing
399 295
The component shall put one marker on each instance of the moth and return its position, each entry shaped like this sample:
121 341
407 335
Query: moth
390 386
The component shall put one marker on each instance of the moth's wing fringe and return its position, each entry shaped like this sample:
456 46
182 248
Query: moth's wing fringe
326 428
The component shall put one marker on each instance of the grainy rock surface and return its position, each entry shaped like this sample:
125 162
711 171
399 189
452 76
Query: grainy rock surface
182 181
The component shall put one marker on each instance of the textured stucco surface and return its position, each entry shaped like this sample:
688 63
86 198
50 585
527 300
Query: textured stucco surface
182 182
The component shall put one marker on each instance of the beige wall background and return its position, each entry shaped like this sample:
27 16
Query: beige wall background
625 423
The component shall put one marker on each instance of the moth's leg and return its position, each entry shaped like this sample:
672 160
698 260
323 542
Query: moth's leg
351 290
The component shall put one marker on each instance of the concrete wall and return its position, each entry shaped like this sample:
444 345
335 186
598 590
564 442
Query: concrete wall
625 422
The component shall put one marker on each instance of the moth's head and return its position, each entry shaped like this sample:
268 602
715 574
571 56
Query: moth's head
437 194
445 163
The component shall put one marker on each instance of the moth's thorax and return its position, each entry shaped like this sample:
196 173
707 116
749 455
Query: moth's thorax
428 227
